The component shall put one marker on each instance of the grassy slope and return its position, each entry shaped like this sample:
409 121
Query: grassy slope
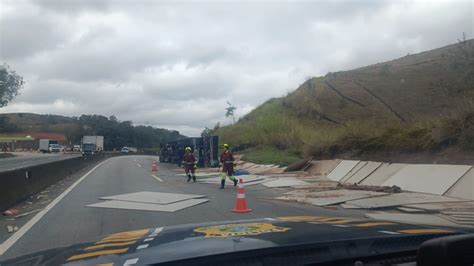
415 103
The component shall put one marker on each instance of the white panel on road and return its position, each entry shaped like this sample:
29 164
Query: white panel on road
245 178
285 182
202 174
464 188
425 219
382 174
127 205
369 168
352 172
330 197
342 169
397 199
443 205
152 197
427 178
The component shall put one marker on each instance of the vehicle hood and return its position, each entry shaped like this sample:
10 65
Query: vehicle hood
166 244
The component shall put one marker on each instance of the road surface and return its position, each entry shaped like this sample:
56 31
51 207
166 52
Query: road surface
70 222
31 159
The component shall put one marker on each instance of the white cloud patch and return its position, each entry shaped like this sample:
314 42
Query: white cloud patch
175 65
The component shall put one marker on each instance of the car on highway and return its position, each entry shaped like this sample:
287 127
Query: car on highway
55 148
125 150
288 240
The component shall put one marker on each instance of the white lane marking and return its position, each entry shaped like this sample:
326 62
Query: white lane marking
340 225
24 229
270 219
153 235
130 262
158 230
389 232
157 178
148 239
142 246
139 165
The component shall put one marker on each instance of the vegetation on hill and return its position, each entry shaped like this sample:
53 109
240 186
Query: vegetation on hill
416 103
117 134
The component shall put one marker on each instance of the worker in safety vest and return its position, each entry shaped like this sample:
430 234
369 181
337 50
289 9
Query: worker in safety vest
189 163
227 163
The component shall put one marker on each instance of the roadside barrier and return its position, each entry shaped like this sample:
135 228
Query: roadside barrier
19 184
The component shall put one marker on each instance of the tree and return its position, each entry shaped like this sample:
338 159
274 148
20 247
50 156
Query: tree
463 38
217 126
206 132
10 84
230 111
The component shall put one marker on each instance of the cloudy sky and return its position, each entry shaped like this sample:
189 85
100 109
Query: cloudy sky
176 64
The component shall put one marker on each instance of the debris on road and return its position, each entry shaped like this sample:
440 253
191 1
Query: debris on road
424 219
9 229
150 201
397 199
10 212
386 189
330 197
286 182
27 213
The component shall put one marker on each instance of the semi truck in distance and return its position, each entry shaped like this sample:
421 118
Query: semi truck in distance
91 145
49 145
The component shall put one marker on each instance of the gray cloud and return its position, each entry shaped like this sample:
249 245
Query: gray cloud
175 65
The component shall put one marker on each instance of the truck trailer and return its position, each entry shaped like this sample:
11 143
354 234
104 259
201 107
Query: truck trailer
91 145
49 145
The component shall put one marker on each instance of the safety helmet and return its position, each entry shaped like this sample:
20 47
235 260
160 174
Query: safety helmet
188 149
225 146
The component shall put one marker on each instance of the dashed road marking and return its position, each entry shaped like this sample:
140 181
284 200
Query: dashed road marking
340 225
389 232
157 178
148 239
130 262
270 219
158 230
139 165
142 246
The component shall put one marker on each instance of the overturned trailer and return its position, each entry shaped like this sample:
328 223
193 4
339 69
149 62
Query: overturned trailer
205 150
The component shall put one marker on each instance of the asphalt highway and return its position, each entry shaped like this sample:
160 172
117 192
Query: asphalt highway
70 221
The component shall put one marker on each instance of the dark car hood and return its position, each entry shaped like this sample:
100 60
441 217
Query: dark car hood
167 244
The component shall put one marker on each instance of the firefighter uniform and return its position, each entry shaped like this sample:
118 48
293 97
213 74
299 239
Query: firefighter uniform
189 163
227 162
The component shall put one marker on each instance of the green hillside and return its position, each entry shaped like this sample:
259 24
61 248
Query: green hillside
416 103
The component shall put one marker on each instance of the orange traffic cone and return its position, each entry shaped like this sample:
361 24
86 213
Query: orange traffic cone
154 167
241 203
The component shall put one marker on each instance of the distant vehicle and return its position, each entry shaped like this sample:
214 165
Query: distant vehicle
49 145
76 148
125 150
91 145
132 149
